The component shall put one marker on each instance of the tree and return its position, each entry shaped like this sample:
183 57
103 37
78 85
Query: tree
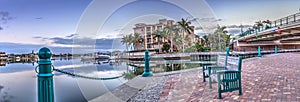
199 47
170 30
241 26
259 24
136 40
217 40
127 40
267 23
159 35
185 25
166 47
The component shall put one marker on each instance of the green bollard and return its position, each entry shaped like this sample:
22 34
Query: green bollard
275 50
259 54
227 54
147 70
45 76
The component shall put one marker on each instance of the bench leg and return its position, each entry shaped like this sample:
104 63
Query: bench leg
240 83
219 92
210 83
203 73
240 90
219 87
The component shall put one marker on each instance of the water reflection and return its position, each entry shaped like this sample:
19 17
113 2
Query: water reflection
18 79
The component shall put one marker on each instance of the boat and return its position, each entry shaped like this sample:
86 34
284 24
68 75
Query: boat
18 58
104 57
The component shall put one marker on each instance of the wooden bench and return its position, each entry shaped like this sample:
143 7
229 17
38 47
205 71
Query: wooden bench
221 61
228 77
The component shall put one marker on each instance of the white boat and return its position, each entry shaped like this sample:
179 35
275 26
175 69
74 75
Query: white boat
18 58
103 57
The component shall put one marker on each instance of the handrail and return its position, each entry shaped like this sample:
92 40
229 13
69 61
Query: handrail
291 19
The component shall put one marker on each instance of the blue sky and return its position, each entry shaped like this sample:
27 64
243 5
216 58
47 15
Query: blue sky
50 22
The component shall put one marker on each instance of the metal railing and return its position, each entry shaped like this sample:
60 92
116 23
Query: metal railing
291 19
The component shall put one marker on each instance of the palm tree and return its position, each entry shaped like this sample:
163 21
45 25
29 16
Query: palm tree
241 26
170 30
126 40
185 25
217 40
137 39
158 34
268 23
204 41
259 24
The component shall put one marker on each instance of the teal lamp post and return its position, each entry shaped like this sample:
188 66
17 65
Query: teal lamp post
259 53
276 50
147 70
45 76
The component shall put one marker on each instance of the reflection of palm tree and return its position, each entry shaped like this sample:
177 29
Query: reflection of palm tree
185 25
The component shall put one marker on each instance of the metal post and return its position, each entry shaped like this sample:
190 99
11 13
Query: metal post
259 54
294 17
275 50
147 70
45 76
227 54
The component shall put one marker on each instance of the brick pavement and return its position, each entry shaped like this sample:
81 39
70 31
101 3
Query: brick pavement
274 78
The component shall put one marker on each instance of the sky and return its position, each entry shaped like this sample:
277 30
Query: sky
55 22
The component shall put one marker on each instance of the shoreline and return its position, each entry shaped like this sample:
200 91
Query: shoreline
141 88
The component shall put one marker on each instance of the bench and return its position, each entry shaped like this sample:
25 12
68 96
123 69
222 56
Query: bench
228 77
220 62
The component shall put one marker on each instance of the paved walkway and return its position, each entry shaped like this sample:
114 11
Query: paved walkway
275 78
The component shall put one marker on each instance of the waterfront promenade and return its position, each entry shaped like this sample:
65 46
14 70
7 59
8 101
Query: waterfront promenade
273 78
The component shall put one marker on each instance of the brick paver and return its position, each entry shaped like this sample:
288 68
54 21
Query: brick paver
273 78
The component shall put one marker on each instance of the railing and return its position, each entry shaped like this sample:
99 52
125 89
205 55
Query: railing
291 19
45 76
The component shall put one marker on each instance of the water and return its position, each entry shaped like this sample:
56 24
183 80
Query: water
19 81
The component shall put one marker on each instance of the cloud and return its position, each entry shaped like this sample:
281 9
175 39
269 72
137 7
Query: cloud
211 19
37 37
234 31
58 40
72 35
198 28
103 43
238 26
39 18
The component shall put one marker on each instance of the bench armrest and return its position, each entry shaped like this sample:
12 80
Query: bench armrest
214 69
228 71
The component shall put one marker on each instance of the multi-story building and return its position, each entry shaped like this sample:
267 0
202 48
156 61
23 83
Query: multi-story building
147 30
3 56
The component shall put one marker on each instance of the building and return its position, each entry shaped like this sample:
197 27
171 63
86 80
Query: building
150 42
3 56
283 34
